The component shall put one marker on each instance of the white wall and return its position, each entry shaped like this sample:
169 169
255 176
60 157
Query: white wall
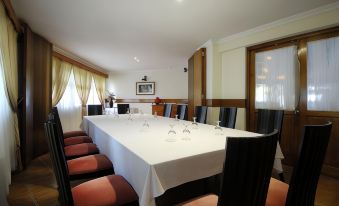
230 53
169 84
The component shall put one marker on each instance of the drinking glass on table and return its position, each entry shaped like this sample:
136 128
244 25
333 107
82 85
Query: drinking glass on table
171 134
145 126
155 115
218 129
195 123
176 118
186 132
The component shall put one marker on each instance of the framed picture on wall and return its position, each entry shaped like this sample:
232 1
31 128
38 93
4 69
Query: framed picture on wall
145 88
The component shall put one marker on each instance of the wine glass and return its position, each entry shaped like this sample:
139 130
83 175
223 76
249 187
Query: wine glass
176 118
218 129
145 126
171 134
186 132
195 123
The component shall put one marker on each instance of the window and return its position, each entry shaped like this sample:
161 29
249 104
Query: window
323 75
93 95
69 107
276 79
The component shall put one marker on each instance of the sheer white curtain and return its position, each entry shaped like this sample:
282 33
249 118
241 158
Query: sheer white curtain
69 107
93 97
277 79
7 140
323 75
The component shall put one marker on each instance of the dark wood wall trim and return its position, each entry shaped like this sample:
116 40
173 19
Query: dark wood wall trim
11 14
240 103
176 101
76 63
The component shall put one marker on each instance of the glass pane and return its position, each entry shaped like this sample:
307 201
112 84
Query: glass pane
277 79
323 75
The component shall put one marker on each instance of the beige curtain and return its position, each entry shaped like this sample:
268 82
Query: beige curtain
61 72
8 44
100 85
83 80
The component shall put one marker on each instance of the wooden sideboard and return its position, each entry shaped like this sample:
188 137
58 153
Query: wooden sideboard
159 108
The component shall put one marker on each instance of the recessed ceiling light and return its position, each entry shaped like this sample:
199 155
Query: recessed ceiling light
179 0
136 59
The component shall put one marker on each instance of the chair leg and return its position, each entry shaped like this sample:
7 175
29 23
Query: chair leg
281 177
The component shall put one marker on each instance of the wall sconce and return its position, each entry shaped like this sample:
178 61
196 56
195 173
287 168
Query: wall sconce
144 79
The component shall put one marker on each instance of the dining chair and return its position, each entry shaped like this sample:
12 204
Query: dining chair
228 116
201 114
70 140
167 110
89 166
305 176
123 108
107 190
66 134
94 109
246 174
182 111
269 120
74 150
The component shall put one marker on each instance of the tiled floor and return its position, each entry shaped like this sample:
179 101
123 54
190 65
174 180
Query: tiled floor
37 186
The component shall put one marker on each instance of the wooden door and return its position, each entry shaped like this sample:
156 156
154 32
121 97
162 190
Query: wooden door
290 137
294 121
196 81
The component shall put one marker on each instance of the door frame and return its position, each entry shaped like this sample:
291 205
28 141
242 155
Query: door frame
297 119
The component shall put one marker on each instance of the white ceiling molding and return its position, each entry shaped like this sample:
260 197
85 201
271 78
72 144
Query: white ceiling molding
78 59
313 12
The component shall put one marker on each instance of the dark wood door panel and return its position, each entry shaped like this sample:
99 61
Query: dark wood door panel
289 141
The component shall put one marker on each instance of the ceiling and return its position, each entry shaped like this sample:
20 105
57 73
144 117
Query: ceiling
160 33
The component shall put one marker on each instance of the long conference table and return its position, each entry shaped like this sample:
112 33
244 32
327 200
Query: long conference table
152 160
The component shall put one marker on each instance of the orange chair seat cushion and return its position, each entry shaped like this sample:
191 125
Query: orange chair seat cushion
108 190
81 149
89 164
77 140
277 193
206 200
74 134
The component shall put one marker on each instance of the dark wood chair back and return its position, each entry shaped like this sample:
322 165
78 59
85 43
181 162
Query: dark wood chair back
59 164
182 111
305 176
247 170
167 110
201 114
54 117
228 116
123 108
95 109
269 120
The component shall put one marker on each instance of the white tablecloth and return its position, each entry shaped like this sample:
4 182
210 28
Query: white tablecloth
149 162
